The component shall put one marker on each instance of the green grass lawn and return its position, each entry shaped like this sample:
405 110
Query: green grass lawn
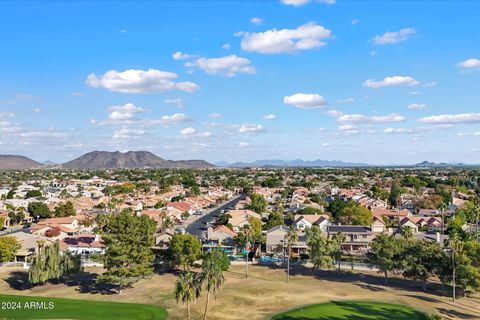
75 309
352 310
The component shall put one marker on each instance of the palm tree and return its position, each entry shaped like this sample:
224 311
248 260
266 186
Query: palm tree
247 231
290 237
212 275
338 239
187 289
442 207
456 247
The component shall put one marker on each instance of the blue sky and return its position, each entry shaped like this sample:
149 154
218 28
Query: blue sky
378 82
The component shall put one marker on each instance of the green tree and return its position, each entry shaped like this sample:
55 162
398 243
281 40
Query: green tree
39 209
187 289
338 239
33 194
274 219
8 247
184 250
49 264
394 197
420 260
258 203
320 248
129 240
384 253
356 214
65 209
336 207
15 217
212 274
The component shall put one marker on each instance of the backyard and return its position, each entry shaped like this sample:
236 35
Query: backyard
264 294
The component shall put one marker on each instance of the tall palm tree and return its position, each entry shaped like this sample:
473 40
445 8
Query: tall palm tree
187 289
212 275
442 207
290 237
247 231
456 247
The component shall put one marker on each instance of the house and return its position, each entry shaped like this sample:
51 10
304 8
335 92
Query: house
276 242
220 236
83 245
162 240
240 218
66 226
391 214
435 224
180 207
29 245
357 238
378 225
303 221
411 222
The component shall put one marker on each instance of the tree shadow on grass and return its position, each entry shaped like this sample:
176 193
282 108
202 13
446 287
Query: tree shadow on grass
87 283
357 311
364 280
455 314
18 280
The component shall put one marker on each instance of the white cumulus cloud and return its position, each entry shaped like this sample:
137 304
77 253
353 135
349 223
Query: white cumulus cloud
274 41
139 81
175 118
452 118
399 130
188 131
469 64
251 128
180 56
391 81
125 112
228 66
305 100
393 37
270 116
127 133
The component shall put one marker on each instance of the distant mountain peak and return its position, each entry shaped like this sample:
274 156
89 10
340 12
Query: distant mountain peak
129 160
10 161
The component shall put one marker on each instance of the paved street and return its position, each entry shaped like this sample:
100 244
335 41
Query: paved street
198 227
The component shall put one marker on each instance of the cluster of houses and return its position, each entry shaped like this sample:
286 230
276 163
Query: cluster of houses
423 223
77 233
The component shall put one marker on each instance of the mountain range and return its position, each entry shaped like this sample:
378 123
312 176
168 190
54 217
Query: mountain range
327 163
17 162
105 160
145 159
291 163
